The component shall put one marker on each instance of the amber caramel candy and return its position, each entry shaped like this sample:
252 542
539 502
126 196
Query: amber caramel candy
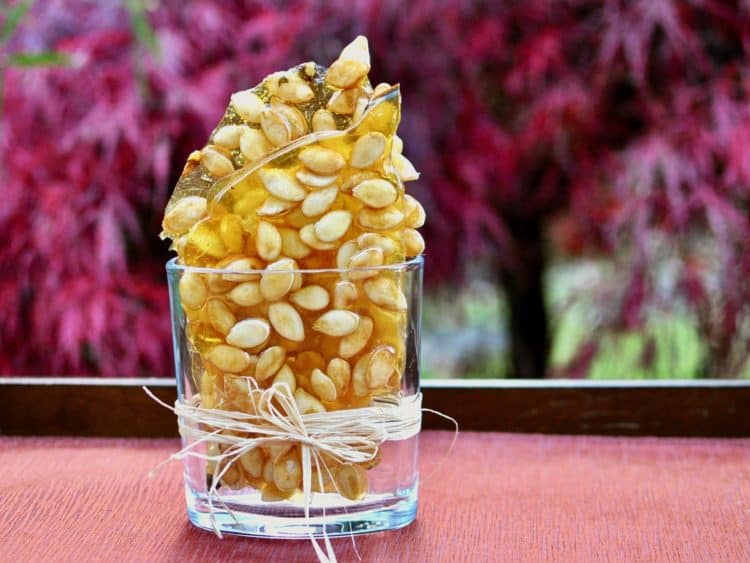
303 172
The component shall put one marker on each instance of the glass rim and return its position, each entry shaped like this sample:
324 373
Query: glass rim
412 264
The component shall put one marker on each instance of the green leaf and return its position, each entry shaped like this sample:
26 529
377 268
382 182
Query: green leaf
42 58
144 33
12 19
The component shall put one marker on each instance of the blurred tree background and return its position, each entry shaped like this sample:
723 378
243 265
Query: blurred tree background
584 163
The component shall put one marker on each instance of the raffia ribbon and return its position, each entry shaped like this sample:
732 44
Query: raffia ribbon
348 436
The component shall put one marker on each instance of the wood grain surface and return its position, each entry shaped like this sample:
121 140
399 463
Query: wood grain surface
96 407
497 497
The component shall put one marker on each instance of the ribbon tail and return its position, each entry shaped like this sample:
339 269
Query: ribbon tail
326 539
324 557
453 441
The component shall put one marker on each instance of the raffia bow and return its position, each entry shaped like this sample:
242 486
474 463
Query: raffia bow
348 436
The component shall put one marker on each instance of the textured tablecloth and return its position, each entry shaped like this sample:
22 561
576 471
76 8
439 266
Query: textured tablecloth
498 497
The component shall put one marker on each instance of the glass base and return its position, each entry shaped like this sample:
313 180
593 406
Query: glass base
284 520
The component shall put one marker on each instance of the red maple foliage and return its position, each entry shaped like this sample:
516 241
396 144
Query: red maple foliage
624 123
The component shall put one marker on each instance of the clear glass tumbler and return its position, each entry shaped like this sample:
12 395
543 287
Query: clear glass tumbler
338 339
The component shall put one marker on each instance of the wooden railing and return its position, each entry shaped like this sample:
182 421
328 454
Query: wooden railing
119 407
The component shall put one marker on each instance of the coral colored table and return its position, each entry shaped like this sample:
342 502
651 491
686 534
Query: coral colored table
499 497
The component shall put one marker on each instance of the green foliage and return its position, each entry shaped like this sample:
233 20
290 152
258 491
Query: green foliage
669 347
12 16
142 28
43 58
